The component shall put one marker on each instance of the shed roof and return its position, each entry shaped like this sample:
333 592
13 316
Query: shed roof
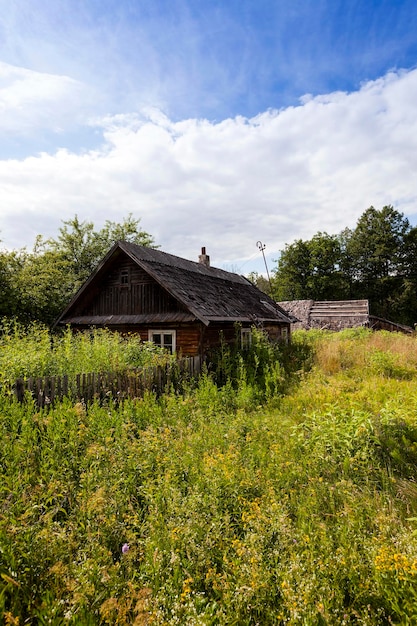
334 314
337 315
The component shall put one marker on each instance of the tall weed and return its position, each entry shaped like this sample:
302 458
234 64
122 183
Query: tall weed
207 508
34 351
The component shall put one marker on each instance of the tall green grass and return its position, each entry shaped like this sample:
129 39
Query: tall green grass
236 505
33 350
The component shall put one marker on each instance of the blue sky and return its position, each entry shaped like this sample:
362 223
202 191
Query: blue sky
218 123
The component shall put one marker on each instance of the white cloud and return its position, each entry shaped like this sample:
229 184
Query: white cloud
279 176
30 100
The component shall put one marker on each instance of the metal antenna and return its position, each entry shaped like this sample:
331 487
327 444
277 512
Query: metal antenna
262 247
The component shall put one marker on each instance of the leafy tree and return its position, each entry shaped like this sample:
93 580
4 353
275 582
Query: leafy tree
408 262
83 247
260 282
376 261
377 243
292 276
10 265
377 248
310 270
45 285
326 282
37 285
406 303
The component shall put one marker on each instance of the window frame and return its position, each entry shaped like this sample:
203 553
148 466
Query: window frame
245 338
124 276
166 331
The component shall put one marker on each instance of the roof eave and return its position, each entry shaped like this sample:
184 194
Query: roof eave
248 319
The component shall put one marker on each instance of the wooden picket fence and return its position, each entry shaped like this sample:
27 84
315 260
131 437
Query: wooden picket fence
132 383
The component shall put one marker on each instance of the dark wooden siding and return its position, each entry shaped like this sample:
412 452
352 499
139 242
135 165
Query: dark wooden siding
216 333
127 290
189 340
275 333
188 336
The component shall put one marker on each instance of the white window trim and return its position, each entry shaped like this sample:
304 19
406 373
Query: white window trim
245 337
166 331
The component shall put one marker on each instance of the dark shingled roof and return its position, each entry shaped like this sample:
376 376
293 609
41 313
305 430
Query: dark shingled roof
208 293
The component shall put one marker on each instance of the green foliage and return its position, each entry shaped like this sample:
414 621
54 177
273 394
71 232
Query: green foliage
374 261
35 351
302 511
377 242
10 266
260 282
82 246
311 270
44 283
261 371
37 285
291 279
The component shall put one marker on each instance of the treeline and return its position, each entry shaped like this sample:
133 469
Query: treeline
376 261
36 285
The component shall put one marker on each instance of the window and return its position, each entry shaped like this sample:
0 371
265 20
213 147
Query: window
124 276
284 334
245 338
164 339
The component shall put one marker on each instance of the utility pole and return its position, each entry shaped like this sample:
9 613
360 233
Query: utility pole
262 247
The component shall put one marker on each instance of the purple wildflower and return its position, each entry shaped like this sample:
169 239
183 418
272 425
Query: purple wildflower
125 548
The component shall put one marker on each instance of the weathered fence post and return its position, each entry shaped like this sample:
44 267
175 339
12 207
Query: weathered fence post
20 389
130 384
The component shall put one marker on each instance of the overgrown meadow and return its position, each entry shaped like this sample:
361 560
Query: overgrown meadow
279 488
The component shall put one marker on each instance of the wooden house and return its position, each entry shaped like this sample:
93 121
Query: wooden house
337 315
181 305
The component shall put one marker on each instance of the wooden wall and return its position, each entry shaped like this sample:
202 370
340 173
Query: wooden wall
188 336
277 333
214 334
139 295
195 339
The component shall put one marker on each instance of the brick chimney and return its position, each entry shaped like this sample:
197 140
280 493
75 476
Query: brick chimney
204 258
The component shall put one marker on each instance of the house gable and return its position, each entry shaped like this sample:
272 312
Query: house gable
122 288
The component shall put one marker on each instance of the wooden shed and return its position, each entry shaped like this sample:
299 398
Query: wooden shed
337 315
181 305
